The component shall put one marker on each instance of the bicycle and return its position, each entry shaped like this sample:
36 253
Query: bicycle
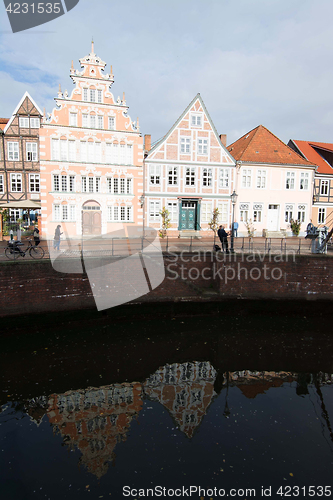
13 250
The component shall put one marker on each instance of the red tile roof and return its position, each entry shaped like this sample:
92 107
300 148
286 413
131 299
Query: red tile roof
261 146
307 149
3 122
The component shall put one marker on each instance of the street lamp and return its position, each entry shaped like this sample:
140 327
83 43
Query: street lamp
233 198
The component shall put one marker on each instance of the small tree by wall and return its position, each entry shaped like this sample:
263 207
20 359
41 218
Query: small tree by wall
166 222
214 222
250 228
295 226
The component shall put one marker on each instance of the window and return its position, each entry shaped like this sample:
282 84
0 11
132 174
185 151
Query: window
206 212
73 119
246 178
173 210
92 95
122 153
185 145
261 179
71 151
72 212
289 213
14 214
129 186
55 149
111 123
122 186
190 176
290 180
83 151
63 150
24 122
207 177
90 184
99 96
224 178
34 182
100 121
85 94
129 154
324 187
301 213
98 148
244 212
84 120
257 212
92 121
64 212
154 211
13 151
16 182
304 181
117 214
154 174
172 176
2 187
91 149
196 121
64 183
223 212
34 122
108 152
321 215
115 153
202 146
56 212
31 150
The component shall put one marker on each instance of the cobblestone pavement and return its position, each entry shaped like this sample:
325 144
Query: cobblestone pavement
122 247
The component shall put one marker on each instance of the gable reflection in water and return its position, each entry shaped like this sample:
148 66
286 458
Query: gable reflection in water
95 420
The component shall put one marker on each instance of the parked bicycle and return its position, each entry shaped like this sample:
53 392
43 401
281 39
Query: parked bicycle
14 250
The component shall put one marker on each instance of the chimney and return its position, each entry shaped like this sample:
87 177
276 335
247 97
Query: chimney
223 139
147 144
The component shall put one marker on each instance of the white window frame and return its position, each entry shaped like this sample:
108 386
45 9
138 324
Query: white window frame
257 211
324 187
301 212
202 146
154 175
23 122
31 151
16 182
172 207
72 119
261 179
322 215
111 123
304 181
85 94
185 145
244 209
246 178
224 178
92 121
289 212
13 153
154 211
100 121
206 211
172 175
100 96
196 120
85 120
34 122
207 177
92 95
34 183
129 154
223 212
190 176
290 180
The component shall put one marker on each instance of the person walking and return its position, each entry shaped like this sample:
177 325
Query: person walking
36 236
56 240
223 238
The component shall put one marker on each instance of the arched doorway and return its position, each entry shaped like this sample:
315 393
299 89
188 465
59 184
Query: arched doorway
91 218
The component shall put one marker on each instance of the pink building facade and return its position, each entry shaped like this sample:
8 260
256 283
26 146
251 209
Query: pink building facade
91 156
190 173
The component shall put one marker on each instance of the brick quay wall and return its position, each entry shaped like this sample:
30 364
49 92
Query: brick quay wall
30 287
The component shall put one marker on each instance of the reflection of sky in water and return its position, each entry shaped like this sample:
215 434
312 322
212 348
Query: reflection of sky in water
256 432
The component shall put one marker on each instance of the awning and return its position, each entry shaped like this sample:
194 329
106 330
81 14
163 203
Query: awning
23 204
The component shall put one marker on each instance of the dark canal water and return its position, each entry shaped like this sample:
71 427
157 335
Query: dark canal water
151 403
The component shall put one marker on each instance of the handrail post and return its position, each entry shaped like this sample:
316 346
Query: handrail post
191 245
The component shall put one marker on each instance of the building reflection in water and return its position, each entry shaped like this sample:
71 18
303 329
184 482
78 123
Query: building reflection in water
95 420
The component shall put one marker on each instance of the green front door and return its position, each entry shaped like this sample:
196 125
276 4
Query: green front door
188 215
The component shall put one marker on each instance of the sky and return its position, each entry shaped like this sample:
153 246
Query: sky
254 62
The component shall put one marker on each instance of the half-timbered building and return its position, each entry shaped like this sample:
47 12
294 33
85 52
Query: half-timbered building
19 156
189 172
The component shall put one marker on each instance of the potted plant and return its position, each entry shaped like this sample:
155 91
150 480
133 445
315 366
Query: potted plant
295 226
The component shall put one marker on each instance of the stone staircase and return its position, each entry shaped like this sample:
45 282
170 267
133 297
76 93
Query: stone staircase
274 234
188 233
